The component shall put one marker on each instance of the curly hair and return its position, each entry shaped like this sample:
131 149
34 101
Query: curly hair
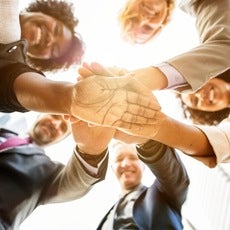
63 12
130 15
201 117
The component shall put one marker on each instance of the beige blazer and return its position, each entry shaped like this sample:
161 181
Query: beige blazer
219 138
212 57
10 30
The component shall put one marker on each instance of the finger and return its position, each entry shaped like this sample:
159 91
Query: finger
142 103
84 72
100 70
71 119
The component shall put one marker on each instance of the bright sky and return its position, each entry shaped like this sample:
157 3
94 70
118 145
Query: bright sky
98 26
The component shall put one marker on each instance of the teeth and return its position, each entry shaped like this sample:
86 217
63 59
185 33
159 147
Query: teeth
39 35
211 95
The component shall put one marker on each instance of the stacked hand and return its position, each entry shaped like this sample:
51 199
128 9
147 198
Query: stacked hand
136 120
120 102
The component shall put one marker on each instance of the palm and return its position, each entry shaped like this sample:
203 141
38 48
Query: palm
114 101
91 138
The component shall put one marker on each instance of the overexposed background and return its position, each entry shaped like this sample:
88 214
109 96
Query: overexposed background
100 31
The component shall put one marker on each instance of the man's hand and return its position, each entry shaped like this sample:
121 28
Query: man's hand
91 139
129 139
121 102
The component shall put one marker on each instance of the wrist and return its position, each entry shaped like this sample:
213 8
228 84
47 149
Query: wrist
90 158
151 150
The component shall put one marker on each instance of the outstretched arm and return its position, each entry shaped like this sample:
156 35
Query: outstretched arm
187 138
99 100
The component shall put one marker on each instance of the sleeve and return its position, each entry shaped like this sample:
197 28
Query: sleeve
175 79
211 58
219 138
90 162
171 176
12 64
72 181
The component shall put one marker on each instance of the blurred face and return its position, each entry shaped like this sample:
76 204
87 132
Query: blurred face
149 20
47 37
213 96
127 168
49 128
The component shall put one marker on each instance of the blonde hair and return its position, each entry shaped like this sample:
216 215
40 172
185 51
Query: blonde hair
133 12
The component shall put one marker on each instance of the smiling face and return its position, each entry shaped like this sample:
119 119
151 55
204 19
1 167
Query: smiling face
144 18
47 37
127 167
213 96
49 128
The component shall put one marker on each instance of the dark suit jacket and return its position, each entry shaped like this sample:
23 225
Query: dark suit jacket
159 206
29 178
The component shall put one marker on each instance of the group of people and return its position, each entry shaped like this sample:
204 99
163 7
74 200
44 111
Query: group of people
122 107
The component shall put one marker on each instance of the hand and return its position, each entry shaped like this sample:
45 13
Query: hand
118 102
94 68
129 139
91 139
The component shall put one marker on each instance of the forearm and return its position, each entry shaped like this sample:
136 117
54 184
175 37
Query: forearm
37 93
187 138
73 181
151 77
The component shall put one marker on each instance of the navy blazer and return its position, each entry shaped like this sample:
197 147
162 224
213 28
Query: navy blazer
159 206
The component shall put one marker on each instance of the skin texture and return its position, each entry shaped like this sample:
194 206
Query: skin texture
213 96
47 36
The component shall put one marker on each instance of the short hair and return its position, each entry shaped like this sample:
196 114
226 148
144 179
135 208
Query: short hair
131 14
63 12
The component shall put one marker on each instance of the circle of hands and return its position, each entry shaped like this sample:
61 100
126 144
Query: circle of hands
117 106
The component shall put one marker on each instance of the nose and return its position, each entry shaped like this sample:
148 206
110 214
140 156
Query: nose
57 124
125 162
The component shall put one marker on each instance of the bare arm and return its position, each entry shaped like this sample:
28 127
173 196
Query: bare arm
99 100
187 138
37 93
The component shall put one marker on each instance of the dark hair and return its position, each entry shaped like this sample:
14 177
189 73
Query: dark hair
63 12
201 117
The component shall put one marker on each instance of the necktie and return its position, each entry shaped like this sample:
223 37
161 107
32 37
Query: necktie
13 142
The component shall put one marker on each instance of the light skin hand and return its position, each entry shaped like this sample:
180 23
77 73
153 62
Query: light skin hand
116 102
91 139
151 77
129 139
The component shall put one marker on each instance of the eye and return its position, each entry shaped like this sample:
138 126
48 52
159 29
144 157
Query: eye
58 29
55 51
194 100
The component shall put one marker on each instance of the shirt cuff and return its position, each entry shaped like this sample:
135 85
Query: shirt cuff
91 169
151 151
175 79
